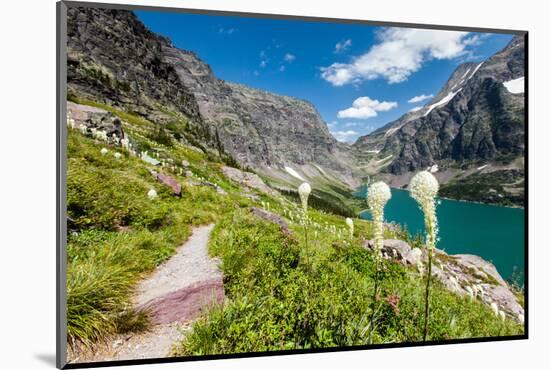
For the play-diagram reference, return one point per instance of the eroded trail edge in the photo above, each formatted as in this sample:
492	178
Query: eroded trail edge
173	295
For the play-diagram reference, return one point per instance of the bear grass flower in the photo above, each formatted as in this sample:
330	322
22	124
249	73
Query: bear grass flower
304	190
104	151
349	222
378	194
152	194
423	189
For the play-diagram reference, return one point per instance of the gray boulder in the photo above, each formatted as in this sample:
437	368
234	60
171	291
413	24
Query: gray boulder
87	117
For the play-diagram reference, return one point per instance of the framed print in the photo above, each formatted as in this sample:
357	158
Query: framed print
234	184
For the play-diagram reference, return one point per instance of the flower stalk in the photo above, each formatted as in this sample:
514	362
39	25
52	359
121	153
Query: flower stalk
349	222
378	195
424	188
304	190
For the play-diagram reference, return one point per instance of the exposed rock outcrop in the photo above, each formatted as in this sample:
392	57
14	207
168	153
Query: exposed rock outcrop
272	217
168	181
89	119
247	179
464	274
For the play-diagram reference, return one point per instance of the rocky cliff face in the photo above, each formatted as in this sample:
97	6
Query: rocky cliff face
474	116
113	58
476	119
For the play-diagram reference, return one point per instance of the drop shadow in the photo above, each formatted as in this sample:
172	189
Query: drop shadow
46	358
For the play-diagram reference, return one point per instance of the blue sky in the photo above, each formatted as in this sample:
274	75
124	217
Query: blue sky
359	77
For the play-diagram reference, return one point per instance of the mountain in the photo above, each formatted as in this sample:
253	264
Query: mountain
470	134
114	59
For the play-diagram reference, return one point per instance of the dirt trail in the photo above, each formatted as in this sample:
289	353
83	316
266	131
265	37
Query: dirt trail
174	294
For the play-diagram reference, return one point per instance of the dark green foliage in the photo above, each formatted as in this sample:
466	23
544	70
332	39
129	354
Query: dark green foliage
504	187
324	201
161	136
98	75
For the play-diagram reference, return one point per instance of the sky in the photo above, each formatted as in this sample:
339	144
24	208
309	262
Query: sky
359	77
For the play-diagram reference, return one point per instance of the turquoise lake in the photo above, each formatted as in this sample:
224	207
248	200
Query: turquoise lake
492	232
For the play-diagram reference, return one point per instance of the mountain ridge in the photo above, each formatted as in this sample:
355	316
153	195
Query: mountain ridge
260	130
474	123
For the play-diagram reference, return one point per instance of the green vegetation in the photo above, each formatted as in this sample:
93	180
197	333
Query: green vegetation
504	187
117	235
323	200
274	304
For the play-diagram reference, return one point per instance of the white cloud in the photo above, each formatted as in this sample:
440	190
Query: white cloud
348	136
342	46
399	53
351	124
282	68
226	31
415	109
419	98
365	107
289	58
263	59
256	73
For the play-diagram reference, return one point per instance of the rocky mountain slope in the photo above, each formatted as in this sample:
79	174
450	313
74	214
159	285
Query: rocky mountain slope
114	59
474	126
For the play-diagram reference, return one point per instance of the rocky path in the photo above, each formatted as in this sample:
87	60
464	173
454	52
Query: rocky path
174	294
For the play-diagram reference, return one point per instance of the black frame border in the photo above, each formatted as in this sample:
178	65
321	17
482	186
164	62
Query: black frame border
61	170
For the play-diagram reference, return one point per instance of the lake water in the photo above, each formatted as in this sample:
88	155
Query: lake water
492	232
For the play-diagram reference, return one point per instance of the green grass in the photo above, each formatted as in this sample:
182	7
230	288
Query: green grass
276	303
116	234
275	299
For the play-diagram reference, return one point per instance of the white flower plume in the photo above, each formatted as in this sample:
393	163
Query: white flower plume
378	195
152	194
304	190
349	222
424	188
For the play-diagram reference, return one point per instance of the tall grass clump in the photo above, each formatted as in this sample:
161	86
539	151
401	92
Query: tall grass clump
424	188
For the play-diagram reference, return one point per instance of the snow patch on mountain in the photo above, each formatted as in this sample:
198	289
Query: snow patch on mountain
292	172
465	74
516	86
475	70
442	102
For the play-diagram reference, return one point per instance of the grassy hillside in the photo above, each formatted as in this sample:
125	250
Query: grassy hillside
280	294
116	234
